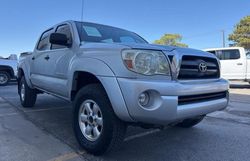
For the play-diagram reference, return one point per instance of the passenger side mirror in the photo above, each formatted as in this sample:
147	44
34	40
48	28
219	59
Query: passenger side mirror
59	39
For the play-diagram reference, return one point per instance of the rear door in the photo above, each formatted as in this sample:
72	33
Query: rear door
233	66
39	70
248	66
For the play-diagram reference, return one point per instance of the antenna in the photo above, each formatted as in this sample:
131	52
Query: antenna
81	21
82	10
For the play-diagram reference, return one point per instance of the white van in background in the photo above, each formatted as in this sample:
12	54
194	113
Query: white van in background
235	62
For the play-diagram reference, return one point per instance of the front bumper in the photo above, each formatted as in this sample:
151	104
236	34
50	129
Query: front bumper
164	107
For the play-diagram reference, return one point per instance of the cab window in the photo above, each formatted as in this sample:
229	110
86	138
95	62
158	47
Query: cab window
226	54
43	43
229	54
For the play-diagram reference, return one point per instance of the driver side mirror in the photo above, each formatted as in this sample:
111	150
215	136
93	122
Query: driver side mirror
59	39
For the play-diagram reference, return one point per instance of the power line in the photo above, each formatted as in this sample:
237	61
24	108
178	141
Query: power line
205	34
200	35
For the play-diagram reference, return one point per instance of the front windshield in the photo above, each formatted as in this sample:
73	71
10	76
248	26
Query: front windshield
90	32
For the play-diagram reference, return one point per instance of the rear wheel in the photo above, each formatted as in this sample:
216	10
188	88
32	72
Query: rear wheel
96	127
187	123
4	78
27	95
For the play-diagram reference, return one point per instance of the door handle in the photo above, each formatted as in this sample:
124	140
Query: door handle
33	58
239	64
46	58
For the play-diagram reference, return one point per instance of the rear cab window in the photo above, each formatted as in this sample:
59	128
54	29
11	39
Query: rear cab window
229	54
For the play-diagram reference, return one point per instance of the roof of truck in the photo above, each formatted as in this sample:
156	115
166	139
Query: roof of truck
226	48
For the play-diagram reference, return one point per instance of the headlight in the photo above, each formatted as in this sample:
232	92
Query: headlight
147	62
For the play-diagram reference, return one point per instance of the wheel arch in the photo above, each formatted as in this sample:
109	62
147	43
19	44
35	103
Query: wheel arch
90	71
22	71
80	80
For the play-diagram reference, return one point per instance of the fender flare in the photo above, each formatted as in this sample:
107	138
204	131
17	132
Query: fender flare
26	71
108	80
91	65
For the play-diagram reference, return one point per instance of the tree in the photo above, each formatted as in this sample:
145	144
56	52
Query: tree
241	33
170	39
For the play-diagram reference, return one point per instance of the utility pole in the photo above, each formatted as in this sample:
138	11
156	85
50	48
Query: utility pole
223	38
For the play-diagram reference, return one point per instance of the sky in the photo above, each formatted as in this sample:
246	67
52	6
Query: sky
200	22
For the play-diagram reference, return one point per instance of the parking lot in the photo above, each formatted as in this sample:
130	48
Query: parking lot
45	133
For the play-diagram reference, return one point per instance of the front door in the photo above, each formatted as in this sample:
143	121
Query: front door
58	63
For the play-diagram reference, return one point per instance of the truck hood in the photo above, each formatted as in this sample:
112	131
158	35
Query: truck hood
176	50
171	50
126	45
149	46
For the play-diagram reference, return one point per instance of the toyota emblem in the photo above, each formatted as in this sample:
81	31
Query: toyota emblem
203	67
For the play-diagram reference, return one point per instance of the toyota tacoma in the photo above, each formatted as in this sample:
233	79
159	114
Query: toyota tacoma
116	78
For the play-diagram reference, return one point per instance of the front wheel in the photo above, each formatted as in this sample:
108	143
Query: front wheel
187	123
96	126
4	78
27	95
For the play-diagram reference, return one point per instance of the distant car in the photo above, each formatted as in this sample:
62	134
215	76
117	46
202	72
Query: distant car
8	69
235	62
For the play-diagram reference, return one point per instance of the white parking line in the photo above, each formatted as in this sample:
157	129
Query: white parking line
141	134
47	109
67	156
31	111
72	155
9	114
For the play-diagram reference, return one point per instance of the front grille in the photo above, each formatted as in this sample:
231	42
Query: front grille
182	100
190	68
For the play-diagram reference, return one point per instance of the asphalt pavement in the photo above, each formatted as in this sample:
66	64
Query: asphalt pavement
45	133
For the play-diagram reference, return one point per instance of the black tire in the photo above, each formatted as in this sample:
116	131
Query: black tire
187	123
4	78
30	94
113	129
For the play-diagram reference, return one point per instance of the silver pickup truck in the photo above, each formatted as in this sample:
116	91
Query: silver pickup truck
8	69
115	78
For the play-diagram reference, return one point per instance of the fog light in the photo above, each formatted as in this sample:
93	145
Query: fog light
143	98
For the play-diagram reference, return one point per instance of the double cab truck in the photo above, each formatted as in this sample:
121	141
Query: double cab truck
115	78
235	62
8	69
